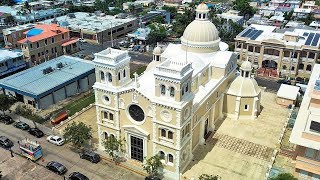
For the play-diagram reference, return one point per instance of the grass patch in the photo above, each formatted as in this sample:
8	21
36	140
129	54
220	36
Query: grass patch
26	112
139	71
79	104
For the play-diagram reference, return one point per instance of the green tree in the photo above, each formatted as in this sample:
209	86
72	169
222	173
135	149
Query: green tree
9	19
113	147
284	176
102	5
171	10
182	20
158	19
208	177
309	19
78	134
288	15
6	101
26	6
7	2
157	33
244	7
152	166
131	8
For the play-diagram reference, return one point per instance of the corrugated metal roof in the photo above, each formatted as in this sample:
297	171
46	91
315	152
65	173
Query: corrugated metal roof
33	82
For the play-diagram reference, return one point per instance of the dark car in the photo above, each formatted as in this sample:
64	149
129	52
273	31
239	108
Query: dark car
5	142
22	125
77	176
90	156
6	119
56	167
284	81
36	132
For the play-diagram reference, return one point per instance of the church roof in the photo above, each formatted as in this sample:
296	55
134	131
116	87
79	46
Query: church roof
244	87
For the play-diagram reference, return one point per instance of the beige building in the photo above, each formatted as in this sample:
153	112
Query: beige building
276	52
46	41
175	104
306	131
243	96
287	95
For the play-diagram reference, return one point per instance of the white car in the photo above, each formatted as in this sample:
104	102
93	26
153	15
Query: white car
82	40
55	140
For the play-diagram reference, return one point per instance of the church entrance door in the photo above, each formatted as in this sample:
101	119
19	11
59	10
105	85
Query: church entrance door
137	148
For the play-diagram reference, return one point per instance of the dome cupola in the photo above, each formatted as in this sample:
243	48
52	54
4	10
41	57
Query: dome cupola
201	35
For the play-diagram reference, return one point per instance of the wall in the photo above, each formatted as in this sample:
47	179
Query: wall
284	101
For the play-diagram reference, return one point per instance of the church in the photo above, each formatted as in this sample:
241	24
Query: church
177	102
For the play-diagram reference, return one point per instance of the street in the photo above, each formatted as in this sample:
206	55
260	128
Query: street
62	154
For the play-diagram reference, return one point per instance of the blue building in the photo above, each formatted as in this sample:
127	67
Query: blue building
51	81
11	61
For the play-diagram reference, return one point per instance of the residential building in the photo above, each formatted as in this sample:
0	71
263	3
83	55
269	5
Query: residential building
50	82
279	52
174	3
277	21
45	41
177	102
11	61
14	34
306	131
140	36
96	28
233	16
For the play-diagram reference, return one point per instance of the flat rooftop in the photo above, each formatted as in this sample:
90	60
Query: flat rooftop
9	54
35	83
88	22
306	37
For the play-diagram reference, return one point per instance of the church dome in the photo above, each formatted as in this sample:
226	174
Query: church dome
246	66
244	87
157	50
201	34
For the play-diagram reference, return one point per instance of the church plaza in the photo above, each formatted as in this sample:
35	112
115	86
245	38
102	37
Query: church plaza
241	149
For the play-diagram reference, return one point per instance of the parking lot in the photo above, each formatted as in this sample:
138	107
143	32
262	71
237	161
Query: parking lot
14	168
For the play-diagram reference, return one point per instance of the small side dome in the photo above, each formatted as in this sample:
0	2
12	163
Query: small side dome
157	51
202	8
246	66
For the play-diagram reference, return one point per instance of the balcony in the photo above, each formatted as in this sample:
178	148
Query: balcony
309	165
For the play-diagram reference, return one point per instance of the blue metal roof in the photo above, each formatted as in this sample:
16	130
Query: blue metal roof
34	83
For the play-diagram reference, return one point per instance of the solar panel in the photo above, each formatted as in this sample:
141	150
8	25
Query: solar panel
246	33
305	34
256	35
252	33
315	126
315	40
310	37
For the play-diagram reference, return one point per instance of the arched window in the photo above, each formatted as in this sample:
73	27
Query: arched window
199	15
161	154
172	91
163	133
109	77
119	76
112	136
187	87
163	89
105	135
247	74
204	16
309	67
102	76
170	158
301	66
124	73
170	135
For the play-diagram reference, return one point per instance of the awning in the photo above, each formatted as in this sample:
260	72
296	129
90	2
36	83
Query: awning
71	41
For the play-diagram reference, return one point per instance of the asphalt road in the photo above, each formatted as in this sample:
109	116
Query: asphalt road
64	155
270	84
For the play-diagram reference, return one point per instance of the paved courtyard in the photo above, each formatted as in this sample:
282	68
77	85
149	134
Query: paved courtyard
241	149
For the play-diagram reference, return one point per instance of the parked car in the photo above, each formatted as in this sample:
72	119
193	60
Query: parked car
131	47
82	40
90	156
136	48
5	142
122	43
142	49
21	125
284	81
6	119
77	176
36	132
55	140
56	167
